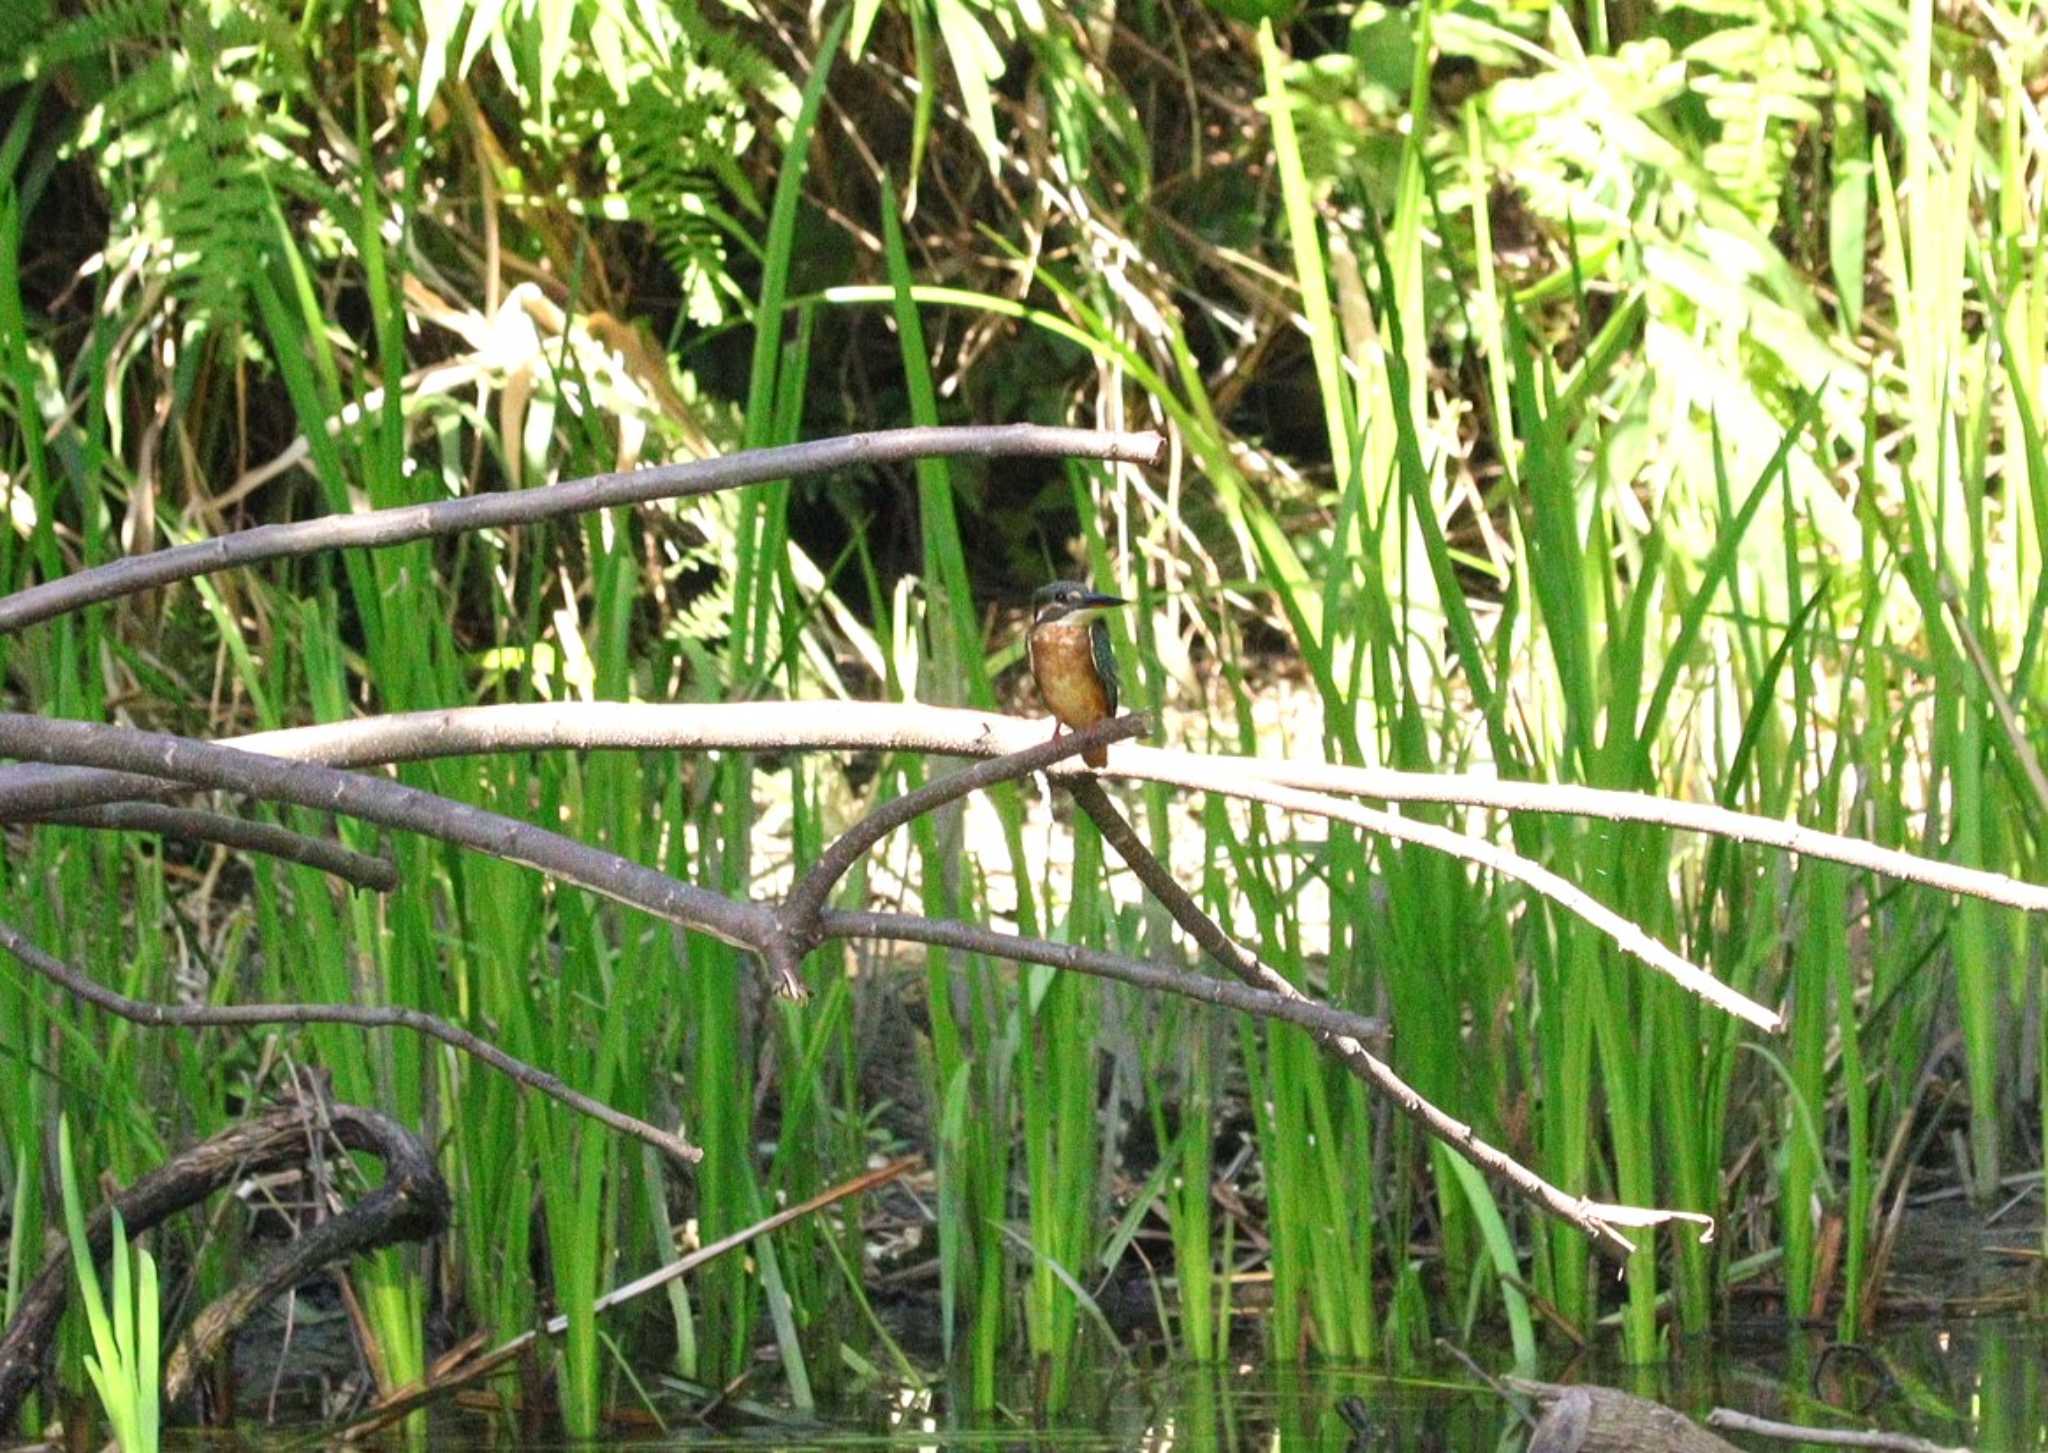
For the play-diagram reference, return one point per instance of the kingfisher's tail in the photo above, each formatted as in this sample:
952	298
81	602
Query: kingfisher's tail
1096	756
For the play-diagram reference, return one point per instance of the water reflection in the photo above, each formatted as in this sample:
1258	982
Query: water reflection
1978	1383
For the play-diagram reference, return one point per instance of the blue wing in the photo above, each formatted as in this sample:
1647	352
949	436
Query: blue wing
1105	662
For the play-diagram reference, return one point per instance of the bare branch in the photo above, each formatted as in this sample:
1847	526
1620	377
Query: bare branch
1608	805
158	1016
359	870
1629	935
1739	1422
511	508
911	727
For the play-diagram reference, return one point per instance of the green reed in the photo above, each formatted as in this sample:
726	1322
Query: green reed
125	1319
1745	636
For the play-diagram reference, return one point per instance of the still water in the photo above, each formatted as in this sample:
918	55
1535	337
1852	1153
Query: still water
1981	1384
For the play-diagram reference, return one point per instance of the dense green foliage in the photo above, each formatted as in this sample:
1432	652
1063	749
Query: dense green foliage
1646	396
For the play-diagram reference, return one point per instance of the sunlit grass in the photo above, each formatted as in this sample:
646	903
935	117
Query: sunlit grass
125	1319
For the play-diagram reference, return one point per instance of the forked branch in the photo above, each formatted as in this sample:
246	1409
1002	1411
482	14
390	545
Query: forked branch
797	925
780	935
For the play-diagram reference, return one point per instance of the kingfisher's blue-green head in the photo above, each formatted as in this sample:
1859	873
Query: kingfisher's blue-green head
1070	601
1070	656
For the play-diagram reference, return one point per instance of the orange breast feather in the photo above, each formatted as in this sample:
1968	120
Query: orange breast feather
1063	664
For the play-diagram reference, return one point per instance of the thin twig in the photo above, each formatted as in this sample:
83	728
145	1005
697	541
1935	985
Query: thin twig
359	870
1499	1389
158	1016
2017	741
404	1400
1598	1221
1310	1014
511	508
1833	1437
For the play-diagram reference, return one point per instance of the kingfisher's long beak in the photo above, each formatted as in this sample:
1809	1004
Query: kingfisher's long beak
1096	601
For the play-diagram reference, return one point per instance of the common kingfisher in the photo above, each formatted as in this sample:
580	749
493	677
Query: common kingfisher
1071	660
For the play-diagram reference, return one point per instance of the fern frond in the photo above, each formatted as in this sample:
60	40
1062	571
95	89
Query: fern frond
668	146
106	27
192	139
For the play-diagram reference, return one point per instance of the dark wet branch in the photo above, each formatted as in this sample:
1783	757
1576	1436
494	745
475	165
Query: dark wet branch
412	1204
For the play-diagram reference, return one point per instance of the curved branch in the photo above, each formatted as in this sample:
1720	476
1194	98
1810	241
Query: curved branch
209	1016
510	508
799	917
414	1202
359	870
397	1210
